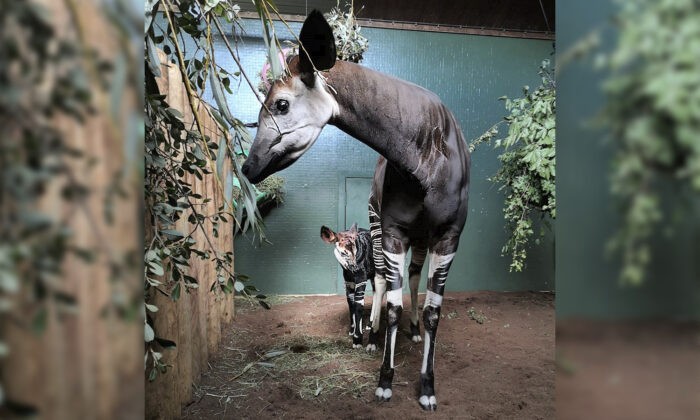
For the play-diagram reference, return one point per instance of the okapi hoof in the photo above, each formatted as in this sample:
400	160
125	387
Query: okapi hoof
382	395
357	342
372	342
415	333
428	403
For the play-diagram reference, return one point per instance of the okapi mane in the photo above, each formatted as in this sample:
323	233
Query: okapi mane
431	139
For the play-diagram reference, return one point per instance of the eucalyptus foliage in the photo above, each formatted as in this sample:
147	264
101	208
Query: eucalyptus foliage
176	151
349	42
527	171
653	114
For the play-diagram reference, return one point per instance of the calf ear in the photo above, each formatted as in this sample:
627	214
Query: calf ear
328	235
316	37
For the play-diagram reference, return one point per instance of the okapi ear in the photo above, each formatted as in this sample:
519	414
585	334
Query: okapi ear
328	235
316	37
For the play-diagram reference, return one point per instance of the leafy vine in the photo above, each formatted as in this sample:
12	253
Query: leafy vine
653	116
528	163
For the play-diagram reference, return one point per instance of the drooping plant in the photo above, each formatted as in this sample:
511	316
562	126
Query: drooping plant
175	150
349	42
528	164
652	113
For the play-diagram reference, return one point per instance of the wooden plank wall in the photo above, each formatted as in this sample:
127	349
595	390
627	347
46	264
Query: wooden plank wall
196	321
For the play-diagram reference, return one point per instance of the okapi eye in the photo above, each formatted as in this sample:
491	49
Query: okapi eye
282	105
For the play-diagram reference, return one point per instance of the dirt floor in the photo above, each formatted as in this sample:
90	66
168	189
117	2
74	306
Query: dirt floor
494	360
628	370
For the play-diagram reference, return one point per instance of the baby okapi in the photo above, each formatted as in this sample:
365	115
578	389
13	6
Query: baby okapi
353	250
425	183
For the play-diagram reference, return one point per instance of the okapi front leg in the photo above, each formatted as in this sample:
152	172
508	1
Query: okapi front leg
437	275
394	267
358	309
414	269
350	296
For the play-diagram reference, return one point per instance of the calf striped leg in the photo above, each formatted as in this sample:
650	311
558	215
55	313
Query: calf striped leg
379	281
357	310
414	269
394	269
350	296
437	275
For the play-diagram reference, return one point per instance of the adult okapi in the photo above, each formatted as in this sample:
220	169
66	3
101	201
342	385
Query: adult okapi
421	192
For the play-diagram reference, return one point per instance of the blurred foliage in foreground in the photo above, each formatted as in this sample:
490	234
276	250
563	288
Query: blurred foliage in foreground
653	114
528	164
64	107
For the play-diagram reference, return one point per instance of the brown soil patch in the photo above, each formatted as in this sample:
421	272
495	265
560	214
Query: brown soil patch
502	368
628	370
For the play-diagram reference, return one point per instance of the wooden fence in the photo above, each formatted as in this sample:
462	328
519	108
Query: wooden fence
196	321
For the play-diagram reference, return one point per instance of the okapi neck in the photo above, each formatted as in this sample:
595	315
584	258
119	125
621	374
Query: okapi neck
377	110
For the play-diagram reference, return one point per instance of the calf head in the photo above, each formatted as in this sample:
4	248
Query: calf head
345	250
297	107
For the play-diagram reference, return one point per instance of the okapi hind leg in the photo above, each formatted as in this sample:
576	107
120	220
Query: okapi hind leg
394	268
437	275
379	284
414	270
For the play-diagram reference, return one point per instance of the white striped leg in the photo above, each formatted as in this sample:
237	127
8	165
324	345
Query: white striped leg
350	296
379	281
358	308
437	276
394	269
379	289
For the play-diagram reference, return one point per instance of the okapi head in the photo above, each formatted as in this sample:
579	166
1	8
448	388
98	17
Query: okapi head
345	249
297	107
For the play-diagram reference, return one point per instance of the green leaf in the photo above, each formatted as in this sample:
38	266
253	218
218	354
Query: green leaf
153	374
153	61
172	234
156	268
148	333
221	157
175	294
219	97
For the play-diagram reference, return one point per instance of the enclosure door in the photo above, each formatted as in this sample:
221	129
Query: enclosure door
354	194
